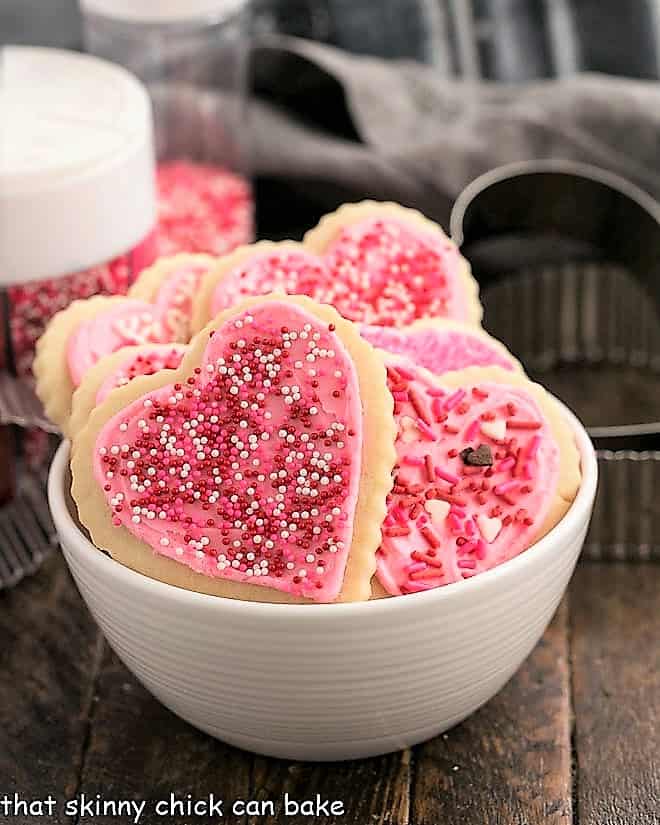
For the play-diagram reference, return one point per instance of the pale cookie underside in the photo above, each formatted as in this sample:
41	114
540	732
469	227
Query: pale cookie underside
54	386
378	458
321	236
222	267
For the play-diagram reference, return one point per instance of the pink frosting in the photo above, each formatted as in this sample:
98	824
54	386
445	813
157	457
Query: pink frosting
439	350
124	324
411	273
377	271
174	301
294	272
453	514
148	361
249	470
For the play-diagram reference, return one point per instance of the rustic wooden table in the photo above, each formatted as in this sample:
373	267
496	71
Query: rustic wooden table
574	737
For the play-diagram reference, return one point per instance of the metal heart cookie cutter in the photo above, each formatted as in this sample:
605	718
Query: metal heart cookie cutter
568	259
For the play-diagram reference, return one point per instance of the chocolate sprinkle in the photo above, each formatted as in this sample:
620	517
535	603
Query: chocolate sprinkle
481	457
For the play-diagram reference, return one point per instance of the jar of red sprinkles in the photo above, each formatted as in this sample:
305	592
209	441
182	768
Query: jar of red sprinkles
192	56
77	195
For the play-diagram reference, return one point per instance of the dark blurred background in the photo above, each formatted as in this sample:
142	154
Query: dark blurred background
507	40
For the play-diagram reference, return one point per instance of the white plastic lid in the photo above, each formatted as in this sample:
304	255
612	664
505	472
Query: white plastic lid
76	163
163	11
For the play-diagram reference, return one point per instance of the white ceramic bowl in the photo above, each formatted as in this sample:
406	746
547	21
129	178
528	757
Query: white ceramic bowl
327	681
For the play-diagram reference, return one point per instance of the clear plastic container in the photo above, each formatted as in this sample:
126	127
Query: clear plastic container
193	57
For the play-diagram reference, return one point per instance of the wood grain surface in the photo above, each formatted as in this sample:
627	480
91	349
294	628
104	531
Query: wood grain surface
573	738
616	678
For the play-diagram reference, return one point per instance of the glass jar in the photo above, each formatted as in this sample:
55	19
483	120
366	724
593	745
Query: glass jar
77	197
77	218
193	57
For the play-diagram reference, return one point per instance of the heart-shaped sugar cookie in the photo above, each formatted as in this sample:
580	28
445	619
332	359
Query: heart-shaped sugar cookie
486	465
259	469
376	263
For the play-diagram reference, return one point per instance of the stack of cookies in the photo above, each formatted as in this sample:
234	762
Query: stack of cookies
315	422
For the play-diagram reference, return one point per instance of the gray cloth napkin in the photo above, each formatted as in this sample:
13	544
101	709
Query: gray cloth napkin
335	126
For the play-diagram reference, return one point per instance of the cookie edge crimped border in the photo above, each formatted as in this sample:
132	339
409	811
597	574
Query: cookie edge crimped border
319	238
379	432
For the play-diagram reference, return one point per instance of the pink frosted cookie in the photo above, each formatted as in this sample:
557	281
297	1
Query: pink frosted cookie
156	311
259	469
259	269
442	345
390	266
376	263
117	370
486	465
171	285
